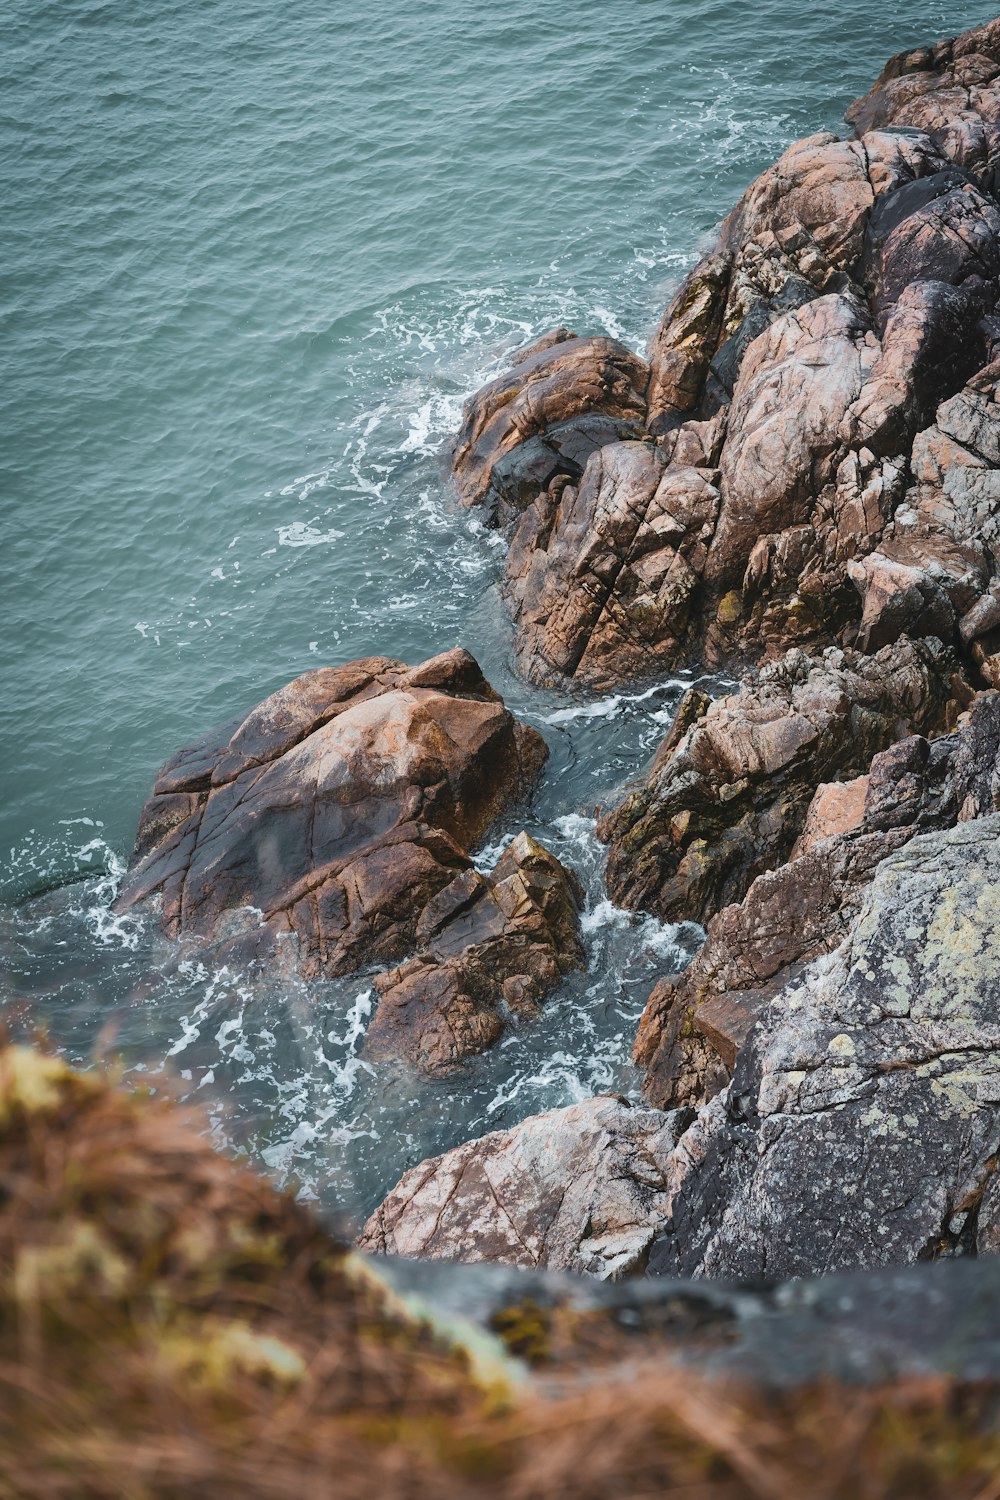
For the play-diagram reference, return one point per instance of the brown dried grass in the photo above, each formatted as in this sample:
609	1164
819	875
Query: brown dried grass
171	1326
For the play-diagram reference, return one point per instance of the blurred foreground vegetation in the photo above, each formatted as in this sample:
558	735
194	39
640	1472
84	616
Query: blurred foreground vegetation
173	1326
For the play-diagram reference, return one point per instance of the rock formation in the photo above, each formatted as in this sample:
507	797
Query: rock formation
694	1025
747	490
861	1126
862	1123
489	947
728	791
333	824
579	1189
802	484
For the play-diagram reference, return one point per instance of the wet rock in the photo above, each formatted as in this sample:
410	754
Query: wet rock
728	791
695	1024
489	948
577	1189
564	398
331	826
850	292
862	1123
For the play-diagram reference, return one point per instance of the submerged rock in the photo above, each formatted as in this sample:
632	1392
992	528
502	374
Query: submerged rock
332	825
581	1189
728	791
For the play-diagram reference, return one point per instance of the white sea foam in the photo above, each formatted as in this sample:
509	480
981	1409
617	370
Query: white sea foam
306	534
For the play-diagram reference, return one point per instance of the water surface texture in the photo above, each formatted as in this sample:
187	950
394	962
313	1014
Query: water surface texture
254	258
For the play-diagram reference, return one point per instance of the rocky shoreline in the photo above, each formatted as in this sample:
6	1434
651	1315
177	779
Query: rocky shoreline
800	485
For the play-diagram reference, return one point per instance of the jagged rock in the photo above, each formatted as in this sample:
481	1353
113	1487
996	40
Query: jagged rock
937	567
333	823
688	336
851	291
577	1189
564	398
600	576
489	947
729	788
951	92
694	1025
796	385
862	1123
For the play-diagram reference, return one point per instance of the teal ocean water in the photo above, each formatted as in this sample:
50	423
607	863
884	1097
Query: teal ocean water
254	257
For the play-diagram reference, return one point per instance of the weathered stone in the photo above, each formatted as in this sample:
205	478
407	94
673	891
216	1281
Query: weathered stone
333	817
862	1123
937	568
796	384
727	797
851	291
577	1189
489	948
564	397
694	1025
685	342
949	92
600	577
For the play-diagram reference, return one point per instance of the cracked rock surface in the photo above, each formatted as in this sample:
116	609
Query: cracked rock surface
579	1189
862	1123
749	488
728	791
330	829
694	1025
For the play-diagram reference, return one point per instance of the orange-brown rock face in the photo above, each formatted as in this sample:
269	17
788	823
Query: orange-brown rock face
332	825
851	293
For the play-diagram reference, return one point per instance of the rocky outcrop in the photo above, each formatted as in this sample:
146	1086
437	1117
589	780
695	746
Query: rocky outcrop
759	498
950	91
565	398
861	1126
728	791
862	1123
580	1189
331	828
937	567
695	1024
490	948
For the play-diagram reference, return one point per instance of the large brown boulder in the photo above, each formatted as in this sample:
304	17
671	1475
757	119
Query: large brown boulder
600	575
727	793
331	828
694	1025
577	1189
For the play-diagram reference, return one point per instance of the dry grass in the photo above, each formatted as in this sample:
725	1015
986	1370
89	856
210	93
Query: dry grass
172	1326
